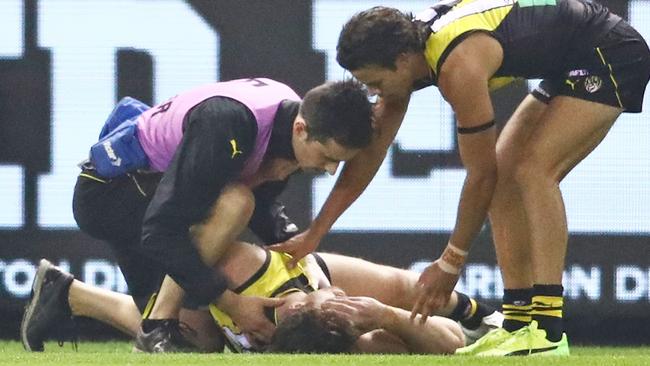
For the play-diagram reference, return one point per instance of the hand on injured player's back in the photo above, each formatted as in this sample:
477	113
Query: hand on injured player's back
248	313
364	314
298	246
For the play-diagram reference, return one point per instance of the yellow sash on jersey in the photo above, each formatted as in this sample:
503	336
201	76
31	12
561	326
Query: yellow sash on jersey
466	16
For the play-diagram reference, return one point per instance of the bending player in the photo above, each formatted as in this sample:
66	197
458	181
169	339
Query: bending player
594	67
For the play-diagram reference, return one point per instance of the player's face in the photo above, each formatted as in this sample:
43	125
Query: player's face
320	157
385	82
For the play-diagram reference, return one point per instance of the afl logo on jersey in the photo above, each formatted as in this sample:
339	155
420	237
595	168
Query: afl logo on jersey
593	83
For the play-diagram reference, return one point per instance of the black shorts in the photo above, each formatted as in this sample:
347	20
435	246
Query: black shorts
616	73
323	266
112	210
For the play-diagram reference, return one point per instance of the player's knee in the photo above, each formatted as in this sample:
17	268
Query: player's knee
400	289
529	169
506	168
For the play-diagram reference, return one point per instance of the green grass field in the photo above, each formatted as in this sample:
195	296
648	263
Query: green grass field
119	353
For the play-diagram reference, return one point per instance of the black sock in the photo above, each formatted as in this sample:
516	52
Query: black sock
516	308
463	306
547	310
470	312
481	310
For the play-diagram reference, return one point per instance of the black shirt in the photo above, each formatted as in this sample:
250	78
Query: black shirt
204	163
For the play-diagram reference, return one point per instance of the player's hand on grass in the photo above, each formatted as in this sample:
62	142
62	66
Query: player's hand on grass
434	289
298	246
363	313
248	313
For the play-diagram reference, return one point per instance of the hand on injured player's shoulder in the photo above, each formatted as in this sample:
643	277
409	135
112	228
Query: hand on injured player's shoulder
298	246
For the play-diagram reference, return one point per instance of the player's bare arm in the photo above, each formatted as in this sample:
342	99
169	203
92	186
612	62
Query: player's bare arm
437	335
463	82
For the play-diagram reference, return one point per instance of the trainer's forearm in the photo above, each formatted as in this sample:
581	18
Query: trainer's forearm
437	335
358	172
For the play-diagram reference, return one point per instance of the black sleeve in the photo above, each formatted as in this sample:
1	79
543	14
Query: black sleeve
270	221
204	162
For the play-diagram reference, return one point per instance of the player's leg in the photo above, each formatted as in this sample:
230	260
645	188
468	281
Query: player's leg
115	309
613	79
57	297
109	210
572	127
569	130
508	221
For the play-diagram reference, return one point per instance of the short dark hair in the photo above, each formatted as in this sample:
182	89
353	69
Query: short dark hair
376	37
311	331
340	111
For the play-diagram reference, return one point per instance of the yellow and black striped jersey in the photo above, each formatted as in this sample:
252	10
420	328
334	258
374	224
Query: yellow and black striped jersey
540	38
273	279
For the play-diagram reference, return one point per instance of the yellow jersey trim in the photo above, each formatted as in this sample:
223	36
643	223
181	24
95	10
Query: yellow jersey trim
466	17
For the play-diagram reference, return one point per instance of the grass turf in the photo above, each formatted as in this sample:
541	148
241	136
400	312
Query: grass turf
119	353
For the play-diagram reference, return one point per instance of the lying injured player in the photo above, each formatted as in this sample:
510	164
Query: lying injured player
331	304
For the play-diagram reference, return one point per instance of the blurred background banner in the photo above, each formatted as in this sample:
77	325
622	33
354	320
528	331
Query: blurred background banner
64	63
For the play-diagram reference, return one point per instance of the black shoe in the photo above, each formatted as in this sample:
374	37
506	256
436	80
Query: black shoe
48	311
166	336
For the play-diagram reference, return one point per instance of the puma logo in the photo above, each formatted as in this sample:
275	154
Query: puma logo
233	144
572	84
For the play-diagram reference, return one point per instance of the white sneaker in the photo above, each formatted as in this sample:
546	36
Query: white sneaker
488	323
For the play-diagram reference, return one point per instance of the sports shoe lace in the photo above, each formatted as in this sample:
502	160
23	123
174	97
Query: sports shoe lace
522	330
68	332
